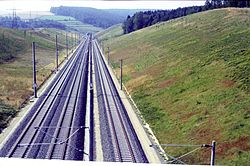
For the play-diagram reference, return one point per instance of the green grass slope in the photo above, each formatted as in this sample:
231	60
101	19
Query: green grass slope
110	33
190	79
16	65
11	42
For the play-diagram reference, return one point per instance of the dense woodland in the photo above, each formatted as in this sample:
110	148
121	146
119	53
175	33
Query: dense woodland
147	18
96	17
8	22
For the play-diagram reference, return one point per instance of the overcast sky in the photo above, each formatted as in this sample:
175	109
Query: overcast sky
44	5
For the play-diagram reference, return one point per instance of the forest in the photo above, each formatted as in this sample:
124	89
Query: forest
147	18
96	17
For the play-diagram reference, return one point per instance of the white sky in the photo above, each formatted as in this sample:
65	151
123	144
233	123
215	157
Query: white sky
44	5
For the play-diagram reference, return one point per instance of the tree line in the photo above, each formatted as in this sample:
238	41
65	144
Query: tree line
147	18
34	23
96	17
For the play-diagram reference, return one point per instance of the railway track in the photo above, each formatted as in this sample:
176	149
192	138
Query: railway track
119	139
55	127
61	125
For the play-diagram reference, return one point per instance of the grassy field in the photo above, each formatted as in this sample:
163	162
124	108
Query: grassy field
72	23
57	18
16	65
190	78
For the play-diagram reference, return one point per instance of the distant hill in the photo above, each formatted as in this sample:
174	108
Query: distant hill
144	19
125	12
91	16
98	17
34	23
190	78
72	24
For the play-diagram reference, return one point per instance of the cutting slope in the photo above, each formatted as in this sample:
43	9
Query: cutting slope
16	65
190	79
111	32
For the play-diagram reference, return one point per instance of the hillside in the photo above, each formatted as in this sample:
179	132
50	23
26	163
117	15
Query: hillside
103	18
96	17
110	33
125	12
72	24
190	79
16	65
9	46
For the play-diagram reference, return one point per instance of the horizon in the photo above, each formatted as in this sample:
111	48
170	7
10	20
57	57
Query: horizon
45	5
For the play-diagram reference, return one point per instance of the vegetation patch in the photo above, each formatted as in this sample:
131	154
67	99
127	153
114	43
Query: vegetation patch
16	78
109	33
6	113
190	79
9	47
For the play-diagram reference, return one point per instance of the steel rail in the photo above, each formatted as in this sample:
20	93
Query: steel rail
115	115
44	132
91	101
114	139
124	130
62	77
63	118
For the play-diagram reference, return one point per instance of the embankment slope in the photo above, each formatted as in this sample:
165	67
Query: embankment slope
190	79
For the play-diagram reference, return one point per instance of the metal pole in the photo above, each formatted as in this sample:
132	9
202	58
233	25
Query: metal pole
67	45
121	74
34	68
80	37
75	40
56	55
72	42
101	46
213	153
108	57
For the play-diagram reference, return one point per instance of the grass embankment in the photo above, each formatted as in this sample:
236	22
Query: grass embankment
110	33
72	23
16	65
190	79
